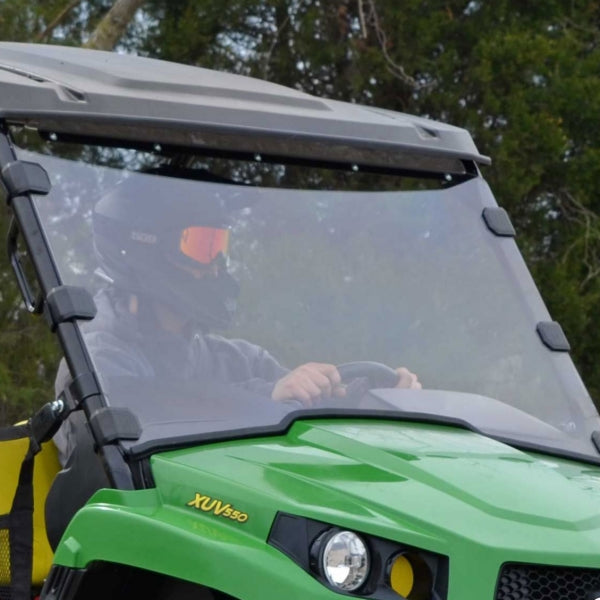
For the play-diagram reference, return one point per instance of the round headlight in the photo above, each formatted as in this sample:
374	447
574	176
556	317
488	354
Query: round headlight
345	561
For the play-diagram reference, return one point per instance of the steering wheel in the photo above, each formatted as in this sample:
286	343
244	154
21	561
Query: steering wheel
377	374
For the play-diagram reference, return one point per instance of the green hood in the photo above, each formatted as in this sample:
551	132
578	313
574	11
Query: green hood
435	487
454	492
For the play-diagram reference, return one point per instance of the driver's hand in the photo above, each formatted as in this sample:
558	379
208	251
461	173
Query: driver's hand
407	380
308	383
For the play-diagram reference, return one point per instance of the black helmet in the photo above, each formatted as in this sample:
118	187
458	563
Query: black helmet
156	237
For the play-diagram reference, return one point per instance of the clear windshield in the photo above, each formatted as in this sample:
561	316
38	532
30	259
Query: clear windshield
409	279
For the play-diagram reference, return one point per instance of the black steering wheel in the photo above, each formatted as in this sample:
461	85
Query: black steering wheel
377	374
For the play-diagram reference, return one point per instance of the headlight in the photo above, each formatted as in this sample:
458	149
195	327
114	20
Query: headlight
345	560
360	565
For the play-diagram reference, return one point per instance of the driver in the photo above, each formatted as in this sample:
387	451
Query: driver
165	262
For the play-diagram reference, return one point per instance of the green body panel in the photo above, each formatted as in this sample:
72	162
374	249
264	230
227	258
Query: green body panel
451	491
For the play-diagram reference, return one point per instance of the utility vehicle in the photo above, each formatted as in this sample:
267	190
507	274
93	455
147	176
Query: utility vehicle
149	200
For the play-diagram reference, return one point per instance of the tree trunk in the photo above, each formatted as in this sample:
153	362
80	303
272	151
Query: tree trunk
112	27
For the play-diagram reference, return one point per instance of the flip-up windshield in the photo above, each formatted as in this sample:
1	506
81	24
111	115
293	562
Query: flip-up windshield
209	291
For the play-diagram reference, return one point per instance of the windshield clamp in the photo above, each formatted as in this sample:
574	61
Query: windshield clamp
553	336
498	221
66	303
114	423
22	177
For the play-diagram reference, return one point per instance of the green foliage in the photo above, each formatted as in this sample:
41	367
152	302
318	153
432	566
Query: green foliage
28	353
29	20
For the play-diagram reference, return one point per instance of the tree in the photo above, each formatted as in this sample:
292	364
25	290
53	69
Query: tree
112	27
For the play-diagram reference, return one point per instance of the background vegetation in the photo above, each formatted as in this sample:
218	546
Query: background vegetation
521	75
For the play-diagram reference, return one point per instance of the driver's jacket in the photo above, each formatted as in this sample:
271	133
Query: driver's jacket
119	344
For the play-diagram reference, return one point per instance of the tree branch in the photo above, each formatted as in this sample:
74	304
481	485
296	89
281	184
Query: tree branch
57	21
269	53
363	22
589	242
393	67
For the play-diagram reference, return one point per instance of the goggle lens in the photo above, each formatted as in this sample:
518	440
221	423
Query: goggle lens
204	244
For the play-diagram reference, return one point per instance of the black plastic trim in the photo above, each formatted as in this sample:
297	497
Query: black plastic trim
498	221
113	423
23	177
547	569
141	472
116	468
553	336
294	536
230	136
84	386
146	449
68	302
468	168
596	439
62	583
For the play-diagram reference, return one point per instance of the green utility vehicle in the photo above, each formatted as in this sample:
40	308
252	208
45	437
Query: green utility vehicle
249	285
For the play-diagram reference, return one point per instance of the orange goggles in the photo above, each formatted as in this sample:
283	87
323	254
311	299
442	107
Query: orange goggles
204	244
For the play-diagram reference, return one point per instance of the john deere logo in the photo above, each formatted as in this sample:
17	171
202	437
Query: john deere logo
217	507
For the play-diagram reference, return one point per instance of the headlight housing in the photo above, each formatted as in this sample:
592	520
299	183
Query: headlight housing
357	564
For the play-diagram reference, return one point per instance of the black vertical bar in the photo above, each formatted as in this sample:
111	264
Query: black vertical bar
69	334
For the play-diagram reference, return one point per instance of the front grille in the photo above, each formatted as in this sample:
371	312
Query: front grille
541	582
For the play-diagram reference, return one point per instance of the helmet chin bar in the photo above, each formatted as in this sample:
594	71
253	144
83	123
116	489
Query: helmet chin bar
209	302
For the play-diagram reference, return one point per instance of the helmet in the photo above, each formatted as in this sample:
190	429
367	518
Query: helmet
166	239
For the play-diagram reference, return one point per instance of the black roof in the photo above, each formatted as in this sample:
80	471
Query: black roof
98	94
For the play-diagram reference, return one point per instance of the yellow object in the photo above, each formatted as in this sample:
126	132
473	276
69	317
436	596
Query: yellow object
402	576
12	453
